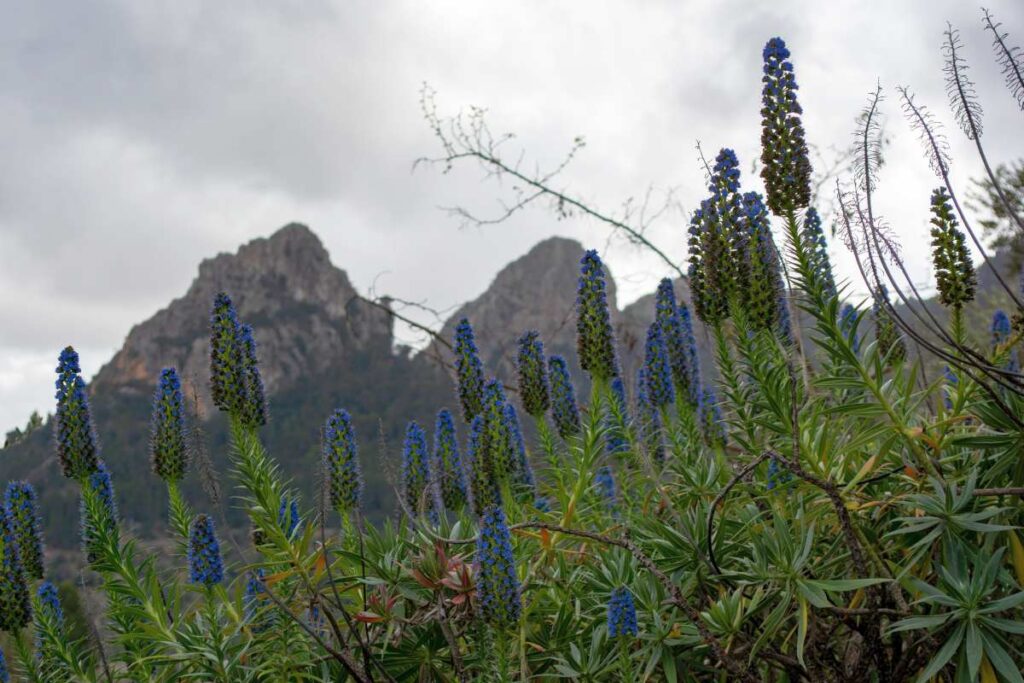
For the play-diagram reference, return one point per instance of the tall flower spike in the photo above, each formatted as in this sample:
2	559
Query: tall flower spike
763	291
888	337
254	410
786	169
718	242
668	316
954	272
648	419
77	449
693	360
68	368
617	417
534	390
288	517
497	584
483	487
23	513
594	336
105	519
848	325
497	441
341	462
469	370
621	614
167	429
563	399
813	238
657	371
205	565
228	386
523	472
49	600
15	603
447	463
416	470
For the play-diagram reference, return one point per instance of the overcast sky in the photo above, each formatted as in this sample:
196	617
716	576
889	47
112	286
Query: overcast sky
137	138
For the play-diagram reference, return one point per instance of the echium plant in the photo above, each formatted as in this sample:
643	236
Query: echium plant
416	479
167	429
469	371
496	438
954	271
497	583
564	409
534	388
763	294
447	462
848	320
255	409
100	520
484	490
718	242
816	247
522	471
205	564
23	515
594	334
657	369
622	614
235	382
693	380
77	449
15	602
678	335
341	463
786	169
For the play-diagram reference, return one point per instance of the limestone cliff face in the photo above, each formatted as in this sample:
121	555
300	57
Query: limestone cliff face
302	307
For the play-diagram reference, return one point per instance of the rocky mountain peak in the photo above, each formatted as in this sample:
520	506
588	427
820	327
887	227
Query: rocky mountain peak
304	310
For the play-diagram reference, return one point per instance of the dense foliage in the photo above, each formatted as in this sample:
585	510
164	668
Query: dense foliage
812	508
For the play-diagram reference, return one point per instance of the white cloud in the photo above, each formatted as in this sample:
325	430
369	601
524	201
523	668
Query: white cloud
138	138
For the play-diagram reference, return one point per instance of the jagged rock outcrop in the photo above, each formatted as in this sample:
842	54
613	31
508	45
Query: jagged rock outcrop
304	310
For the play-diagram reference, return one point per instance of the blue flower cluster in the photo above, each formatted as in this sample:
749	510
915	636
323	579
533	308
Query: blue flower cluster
448	463
77	449
167	429
49	602
235	383
777	476
15	603
786	168
255	604
534	389
709	418
693	381
604	478
669	317
657	369
622	614
521	469
950	385
594	336
563	399
205	565
341	462
1001	330
416	471
469	371
763	289
497	439
22	510
105	519
497	585
483	486
813	239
